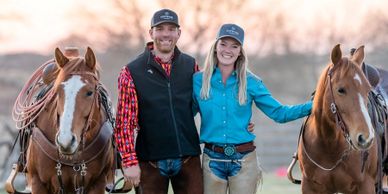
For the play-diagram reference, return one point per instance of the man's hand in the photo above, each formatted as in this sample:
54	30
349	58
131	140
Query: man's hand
251	127
132	174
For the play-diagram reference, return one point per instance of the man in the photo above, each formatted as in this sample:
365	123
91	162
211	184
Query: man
155	98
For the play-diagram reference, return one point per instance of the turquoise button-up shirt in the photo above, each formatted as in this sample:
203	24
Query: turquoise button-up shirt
225	121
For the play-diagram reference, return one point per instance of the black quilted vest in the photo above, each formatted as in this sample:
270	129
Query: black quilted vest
167	128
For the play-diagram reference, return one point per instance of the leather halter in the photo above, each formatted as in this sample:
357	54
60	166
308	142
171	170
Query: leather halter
95	99
337	115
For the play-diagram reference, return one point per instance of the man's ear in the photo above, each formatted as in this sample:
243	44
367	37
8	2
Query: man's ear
151	32
179	32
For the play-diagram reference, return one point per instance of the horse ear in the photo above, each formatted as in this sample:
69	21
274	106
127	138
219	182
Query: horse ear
359	55
336	54
60	58
90	58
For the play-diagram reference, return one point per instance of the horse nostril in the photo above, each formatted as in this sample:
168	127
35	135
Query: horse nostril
361	139
73	139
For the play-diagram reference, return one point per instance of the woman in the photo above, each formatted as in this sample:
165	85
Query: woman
223	94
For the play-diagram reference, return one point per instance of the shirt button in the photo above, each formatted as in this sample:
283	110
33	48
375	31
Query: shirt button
223	94
223	108
224	122
224	135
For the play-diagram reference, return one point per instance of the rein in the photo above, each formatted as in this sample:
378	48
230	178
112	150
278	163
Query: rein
344	155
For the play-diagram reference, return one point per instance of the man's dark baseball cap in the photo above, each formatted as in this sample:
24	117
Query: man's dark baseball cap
164	16
233	31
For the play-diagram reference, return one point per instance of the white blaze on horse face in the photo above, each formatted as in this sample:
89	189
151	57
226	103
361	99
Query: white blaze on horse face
367	118
71	87
358	78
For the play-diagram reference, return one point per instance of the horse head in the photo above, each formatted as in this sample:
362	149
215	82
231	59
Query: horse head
76	99
344	93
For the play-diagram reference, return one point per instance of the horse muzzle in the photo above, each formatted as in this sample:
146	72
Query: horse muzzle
67	146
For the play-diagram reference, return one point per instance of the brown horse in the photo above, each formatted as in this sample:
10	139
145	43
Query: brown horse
338	151
70	150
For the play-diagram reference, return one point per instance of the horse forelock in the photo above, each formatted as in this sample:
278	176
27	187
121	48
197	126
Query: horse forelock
77	64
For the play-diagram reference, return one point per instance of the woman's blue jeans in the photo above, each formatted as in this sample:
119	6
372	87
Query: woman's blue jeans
238	173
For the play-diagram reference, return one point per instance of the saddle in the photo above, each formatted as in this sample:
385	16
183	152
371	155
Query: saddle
377	109
372	74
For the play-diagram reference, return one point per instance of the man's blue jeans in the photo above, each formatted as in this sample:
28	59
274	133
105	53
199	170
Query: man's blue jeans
169	167
185	175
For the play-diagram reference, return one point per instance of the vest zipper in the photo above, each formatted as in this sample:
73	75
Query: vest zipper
173	119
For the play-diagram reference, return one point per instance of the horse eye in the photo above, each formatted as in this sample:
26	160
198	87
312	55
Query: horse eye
89	93
341	91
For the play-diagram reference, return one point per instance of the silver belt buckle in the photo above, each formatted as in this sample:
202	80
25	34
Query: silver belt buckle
229	150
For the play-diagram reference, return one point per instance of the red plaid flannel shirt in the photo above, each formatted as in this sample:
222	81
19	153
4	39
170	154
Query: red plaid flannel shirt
127	114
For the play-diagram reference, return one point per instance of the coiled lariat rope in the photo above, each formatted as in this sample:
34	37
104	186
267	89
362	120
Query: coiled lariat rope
26	109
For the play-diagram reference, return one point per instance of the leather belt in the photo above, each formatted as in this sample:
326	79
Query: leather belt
230	149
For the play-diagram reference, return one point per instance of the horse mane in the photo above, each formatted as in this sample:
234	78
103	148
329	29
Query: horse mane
320	89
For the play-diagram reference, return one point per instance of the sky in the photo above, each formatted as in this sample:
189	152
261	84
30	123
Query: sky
35	24
45	22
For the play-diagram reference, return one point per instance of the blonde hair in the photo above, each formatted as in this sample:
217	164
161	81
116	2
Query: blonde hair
240	67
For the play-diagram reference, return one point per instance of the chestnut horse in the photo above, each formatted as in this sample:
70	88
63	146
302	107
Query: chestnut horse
70	150
337	150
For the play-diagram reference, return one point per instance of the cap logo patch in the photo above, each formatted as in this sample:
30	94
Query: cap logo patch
232	31
166	16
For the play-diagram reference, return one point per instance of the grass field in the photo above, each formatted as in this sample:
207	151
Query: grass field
272	184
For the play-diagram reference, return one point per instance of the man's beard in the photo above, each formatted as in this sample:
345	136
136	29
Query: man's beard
165	48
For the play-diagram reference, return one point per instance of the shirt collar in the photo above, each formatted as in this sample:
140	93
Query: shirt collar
217	71
150	47
218	77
